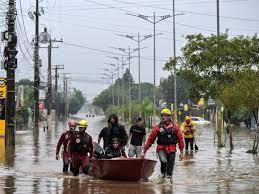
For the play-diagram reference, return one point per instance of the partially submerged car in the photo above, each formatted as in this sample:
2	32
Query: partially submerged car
200	121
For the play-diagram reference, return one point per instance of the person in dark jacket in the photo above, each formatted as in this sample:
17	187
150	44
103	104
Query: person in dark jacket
104	135
63	141
114	150
116	131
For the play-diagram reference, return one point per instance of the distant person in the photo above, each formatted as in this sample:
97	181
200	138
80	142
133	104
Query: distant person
168	134
188	128
63	140
81	149
116	130
137	138
114	150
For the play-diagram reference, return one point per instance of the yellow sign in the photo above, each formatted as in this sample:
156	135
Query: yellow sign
185	107
201	102
2	128
2	106
2	149
179	112
2	88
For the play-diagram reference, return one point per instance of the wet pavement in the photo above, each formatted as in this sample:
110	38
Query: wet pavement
32	168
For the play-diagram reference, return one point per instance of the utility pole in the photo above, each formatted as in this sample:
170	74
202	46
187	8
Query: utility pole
65	94
49	92
138	40
57	67
129	87
46	38
153	20
66	97
112	87
110	75
118	87
10	64
129	52
122	73
218	27
175	78
36	68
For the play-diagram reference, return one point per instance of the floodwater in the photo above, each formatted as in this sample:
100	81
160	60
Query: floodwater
32	168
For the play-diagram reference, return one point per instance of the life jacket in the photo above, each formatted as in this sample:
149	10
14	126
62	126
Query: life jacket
188	126
82	144
167	137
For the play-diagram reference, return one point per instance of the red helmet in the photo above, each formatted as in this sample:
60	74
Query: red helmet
72	123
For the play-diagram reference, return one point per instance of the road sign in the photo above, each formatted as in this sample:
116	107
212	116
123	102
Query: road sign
2	88
41	106
2	106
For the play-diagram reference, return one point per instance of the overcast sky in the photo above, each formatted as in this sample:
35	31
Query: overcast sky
89	28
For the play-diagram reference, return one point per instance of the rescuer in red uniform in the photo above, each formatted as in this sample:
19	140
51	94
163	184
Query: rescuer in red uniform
168	134
81	149
63	140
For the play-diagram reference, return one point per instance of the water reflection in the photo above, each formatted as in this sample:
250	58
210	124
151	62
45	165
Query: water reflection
31	167
35	148
9	184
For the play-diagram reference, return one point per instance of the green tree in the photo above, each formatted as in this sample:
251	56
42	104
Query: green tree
76	101
210	61
104	99
182	89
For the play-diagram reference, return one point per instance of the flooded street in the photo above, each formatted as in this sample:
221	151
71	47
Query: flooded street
32	168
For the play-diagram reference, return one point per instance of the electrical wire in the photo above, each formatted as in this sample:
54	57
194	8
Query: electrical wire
191	12
108	52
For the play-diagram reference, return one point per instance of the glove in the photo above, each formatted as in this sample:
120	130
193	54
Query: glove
57	157
143	155
181	156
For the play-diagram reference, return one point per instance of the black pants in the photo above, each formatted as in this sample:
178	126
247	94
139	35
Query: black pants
167	162
66	166
187	141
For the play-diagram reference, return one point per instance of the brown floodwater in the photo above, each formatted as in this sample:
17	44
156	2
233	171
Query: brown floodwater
31	167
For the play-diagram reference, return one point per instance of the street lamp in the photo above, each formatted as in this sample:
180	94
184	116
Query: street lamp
117	69
110	74
154	21
129	52
138	40
122	72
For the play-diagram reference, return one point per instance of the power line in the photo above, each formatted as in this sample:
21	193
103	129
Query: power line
106	52
24	23
107	6
205	28
21	37
191	12
112	7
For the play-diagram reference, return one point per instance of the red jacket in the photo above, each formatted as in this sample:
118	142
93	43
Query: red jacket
168	148
81	143
64	138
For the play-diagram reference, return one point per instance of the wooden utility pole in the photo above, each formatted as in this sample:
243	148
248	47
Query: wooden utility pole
57	67
10	65
36	68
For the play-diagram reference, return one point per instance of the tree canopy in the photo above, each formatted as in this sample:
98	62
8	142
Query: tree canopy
76	101
211	61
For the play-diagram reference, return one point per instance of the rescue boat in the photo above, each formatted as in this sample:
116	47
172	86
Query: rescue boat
122	169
